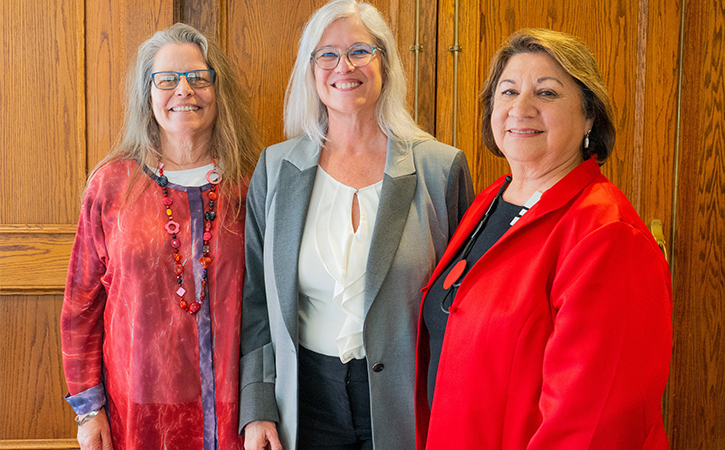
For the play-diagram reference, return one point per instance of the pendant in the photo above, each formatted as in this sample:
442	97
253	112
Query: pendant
454	274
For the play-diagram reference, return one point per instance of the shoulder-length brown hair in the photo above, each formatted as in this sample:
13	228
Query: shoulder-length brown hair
577	60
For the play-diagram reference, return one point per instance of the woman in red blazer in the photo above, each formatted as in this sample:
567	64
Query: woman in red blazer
547	323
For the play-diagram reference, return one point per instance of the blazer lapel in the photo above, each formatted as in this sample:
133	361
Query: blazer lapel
294	190
399	184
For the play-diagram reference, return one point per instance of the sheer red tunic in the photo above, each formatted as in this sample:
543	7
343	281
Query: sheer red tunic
168	379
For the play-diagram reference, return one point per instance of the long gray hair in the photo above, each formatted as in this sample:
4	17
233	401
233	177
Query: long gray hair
304	112
234	140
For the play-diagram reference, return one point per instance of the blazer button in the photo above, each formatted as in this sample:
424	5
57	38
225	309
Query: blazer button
378	367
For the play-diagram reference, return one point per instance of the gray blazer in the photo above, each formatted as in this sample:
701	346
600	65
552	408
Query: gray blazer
426	189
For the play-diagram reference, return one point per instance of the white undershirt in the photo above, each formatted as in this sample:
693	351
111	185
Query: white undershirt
332	266
189	178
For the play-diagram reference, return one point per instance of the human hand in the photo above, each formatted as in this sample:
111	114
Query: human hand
261	435
96	433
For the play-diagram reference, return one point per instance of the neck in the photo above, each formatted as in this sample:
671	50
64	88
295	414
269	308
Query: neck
355	136
529	179
183	154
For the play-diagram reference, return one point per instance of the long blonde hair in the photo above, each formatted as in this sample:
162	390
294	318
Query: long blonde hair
304	112
234	139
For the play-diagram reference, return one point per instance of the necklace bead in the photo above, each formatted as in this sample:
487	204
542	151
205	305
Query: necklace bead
172	228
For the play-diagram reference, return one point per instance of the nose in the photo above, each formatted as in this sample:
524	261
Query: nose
345	65
183	88
523	106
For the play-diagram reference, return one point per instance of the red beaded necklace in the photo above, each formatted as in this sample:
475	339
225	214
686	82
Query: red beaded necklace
172	227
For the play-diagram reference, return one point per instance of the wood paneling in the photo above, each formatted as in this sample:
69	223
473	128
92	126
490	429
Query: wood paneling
42	116
114	30
697	381
33	386
404	27
34	259
39	444
207	16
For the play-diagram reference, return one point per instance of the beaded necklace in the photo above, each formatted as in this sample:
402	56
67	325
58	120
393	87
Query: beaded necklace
172	227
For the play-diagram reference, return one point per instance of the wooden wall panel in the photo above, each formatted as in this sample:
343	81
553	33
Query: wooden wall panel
34	259
656	112
402	18
40	112
33	386
697	381
207	16
114	30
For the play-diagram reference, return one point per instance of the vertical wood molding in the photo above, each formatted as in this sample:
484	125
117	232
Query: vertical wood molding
81	97
203	15
697	382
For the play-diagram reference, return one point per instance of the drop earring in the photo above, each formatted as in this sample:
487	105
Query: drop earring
586	139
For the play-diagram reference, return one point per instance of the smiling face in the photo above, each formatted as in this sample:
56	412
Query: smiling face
538	119
346	89
183	113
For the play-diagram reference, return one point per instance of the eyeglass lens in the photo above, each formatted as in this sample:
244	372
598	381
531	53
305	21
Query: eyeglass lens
359	55
195	78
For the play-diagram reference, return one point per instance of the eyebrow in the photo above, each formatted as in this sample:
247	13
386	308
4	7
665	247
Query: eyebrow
538	81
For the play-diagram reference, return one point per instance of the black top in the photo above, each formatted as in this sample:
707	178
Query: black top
436	301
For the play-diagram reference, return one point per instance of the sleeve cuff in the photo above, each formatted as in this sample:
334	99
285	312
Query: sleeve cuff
88	400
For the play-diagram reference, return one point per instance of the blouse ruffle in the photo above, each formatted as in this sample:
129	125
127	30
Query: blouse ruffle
344	252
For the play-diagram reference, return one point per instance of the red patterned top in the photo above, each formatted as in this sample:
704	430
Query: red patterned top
170	379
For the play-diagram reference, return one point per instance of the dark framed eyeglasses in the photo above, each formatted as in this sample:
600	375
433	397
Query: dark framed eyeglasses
359	54
168	80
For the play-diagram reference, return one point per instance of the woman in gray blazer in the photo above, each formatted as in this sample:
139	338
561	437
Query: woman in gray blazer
345	222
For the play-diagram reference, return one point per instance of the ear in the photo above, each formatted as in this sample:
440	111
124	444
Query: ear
588	124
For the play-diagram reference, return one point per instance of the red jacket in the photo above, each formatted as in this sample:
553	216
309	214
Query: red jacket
560	335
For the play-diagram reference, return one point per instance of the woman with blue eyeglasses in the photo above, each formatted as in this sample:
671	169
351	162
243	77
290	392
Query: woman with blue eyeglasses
151	317
345	222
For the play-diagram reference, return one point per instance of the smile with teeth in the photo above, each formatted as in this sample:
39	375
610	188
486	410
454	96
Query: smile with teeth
185	108
348	85
525	131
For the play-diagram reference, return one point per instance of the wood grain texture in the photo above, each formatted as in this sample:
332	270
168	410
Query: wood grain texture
34	258
114	30
697	382
32	384
39	112
38	444
405	32
205	16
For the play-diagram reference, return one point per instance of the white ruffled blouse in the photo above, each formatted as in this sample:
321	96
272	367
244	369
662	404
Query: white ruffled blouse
332	266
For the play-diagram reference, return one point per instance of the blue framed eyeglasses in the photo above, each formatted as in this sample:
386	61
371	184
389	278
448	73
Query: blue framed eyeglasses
168	80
